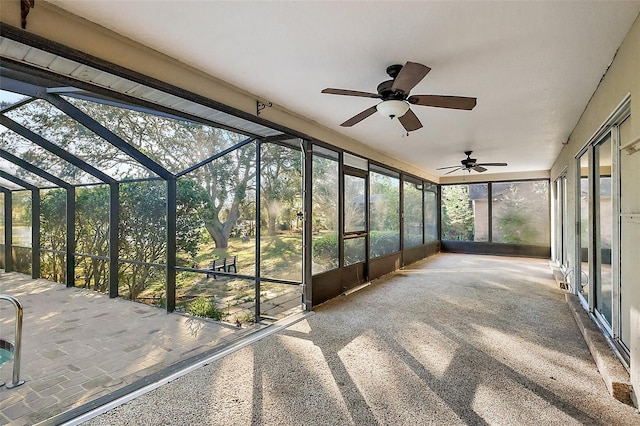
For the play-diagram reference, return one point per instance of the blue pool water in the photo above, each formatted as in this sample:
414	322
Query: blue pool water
5	356
6	351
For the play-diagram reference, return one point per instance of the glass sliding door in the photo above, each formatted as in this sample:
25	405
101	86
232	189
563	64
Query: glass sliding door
583	226
629	205
603	229
565	222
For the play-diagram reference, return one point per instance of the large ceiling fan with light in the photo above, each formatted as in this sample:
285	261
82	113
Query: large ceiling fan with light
469	164
396	99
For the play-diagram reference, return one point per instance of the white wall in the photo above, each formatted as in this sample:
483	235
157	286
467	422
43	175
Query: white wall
621	79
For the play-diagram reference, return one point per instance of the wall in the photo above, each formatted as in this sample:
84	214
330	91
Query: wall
622	78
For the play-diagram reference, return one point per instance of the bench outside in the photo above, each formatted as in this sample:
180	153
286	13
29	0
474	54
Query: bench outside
225	264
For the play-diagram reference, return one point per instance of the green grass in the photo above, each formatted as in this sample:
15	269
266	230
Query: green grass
281	257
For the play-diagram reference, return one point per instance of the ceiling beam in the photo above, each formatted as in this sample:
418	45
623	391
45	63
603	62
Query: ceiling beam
216	156
106	134
17	181
33	169
55	149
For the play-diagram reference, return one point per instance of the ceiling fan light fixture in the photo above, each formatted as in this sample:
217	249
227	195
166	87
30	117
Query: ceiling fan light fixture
393	108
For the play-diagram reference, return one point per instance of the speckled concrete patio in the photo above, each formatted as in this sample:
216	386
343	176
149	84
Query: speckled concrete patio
452	340
79	345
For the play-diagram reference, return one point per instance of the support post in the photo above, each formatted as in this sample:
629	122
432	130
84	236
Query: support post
171	243
307	225
114	217
258	218
8	232
401	196
35	233
490	211
70	277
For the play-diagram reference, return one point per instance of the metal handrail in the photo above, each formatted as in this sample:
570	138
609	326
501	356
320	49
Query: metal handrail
17	346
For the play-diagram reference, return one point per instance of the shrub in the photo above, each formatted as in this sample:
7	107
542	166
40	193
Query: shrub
205	307
384	242
515	229
326	246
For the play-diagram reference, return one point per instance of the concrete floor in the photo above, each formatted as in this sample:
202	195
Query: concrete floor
455	339
79	345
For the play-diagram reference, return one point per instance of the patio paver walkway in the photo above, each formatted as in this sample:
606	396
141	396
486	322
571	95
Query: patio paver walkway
79	345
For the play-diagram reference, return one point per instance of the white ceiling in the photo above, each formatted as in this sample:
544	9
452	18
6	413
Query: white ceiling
532	65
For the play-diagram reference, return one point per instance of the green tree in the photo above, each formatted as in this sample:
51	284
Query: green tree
457	213
92	237
281	177
142	230
53	232
175	144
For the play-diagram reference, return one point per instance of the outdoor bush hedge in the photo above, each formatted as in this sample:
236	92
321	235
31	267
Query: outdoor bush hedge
382	242
205	307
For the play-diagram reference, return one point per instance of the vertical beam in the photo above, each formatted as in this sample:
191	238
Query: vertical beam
258	218
401	216
35	233
439	212
307	225
340	210
423	185
171	243
8	231
71	238
490	211
367	237
114	217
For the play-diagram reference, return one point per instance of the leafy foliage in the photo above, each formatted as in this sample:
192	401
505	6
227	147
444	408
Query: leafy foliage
53	229
281	179
515	228
384	242
205	307
457	214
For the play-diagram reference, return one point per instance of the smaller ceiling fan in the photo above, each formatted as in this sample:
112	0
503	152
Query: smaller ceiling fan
469	164
396	99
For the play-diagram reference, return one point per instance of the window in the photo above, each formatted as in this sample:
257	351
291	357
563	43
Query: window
325	210
465	212
430	212
384	204
520	213
412	213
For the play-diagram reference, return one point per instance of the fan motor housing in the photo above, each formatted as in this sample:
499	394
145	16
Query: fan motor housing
384	90
394	70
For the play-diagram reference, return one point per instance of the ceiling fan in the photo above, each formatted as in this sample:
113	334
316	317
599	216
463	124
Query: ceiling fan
396	99
469	164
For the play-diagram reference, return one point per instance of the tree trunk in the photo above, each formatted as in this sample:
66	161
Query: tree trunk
218	235
271	229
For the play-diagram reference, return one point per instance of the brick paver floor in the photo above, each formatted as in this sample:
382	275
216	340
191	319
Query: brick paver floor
79	345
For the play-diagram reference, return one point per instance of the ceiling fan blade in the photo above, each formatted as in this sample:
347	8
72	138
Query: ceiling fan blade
479	169
410	75
453	102
359	117
410	121
454	170
346	92
450	167
491	164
